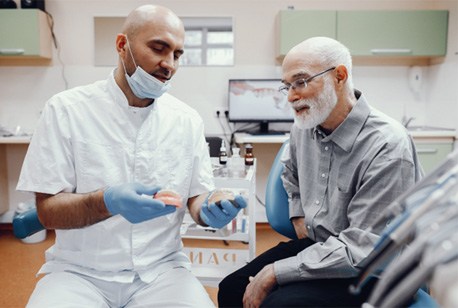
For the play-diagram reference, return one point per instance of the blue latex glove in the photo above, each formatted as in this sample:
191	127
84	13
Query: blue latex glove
218	214
127	201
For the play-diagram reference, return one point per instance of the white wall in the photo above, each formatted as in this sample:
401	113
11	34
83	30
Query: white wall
24	89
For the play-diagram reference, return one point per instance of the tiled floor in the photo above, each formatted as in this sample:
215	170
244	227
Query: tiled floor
20	262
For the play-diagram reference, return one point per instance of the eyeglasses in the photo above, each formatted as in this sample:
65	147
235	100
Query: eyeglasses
300	83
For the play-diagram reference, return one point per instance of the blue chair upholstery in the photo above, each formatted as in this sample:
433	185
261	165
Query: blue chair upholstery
423	300
26	224
277	211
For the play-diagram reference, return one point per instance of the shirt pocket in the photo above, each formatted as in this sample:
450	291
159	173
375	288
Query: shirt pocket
343	192
99	165
171	168
340	200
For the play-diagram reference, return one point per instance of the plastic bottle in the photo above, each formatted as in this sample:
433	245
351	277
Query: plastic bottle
222	153
249	157
236	164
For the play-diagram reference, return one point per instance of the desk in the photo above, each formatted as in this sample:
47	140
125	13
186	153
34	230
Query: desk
265	148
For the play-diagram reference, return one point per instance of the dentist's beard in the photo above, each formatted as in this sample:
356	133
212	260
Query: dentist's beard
320	108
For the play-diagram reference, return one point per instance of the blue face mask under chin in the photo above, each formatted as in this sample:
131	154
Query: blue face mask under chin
142	84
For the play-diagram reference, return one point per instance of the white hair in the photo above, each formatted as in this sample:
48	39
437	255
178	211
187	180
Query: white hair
330	53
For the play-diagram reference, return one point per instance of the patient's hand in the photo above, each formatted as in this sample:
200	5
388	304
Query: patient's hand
299	226
259	287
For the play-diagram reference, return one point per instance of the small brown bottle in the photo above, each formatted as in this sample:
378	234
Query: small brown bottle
223	153
249	157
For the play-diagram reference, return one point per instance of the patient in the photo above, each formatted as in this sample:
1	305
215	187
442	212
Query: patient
346	162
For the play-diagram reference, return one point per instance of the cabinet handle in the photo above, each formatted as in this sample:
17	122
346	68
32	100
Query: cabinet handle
426	151
12	51
390	51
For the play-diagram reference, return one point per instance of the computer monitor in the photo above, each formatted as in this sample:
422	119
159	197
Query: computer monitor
258	101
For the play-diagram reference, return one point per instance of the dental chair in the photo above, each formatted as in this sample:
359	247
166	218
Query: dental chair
277	212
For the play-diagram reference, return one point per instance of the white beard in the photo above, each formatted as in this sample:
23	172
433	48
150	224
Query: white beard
320	108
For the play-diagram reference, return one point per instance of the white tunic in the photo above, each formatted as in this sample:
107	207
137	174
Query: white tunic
89	138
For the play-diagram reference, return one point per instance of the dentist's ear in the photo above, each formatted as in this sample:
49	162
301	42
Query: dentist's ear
120	42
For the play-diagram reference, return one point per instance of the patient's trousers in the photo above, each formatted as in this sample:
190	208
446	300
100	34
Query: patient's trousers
312	293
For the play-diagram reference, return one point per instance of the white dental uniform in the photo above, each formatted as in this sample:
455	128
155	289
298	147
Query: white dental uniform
88	138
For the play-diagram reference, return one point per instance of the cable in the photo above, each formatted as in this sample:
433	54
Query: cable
225	134
260	201
56	45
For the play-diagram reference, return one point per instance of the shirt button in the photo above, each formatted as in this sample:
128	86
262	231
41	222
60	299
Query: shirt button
317	202
326	148
323	175
308	227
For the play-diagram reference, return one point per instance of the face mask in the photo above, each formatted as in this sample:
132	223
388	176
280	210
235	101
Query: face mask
142	84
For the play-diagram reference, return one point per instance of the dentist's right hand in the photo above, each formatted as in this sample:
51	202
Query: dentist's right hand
127	201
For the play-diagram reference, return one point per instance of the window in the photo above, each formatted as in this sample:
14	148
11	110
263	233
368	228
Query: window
209	41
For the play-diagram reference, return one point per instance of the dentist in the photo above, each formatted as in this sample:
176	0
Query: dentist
99	154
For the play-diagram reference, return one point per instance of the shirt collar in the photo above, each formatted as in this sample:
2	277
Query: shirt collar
346	133
118	95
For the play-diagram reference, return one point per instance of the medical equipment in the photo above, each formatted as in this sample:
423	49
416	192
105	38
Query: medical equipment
407	209
422	237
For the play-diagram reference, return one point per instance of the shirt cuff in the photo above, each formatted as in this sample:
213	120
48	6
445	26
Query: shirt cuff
286	270
295	208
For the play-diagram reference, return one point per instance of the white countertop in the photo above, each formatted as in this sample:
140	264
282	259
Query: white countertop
433	133
247	138
15	140
415	133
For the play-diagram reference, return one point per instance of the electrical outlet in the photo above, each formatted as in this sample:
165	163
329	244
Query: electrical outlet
220	112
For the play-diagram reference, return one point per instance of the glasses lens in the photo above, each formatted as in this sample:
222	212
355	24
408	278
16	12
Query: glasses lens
284	89
299	84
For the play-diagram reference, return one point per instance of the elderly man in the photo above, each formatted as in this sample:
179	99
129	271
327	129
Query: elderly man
99	155
346	162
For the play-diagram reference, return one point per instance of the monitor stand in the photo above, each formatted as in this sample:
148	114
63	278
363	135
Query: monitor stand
264	130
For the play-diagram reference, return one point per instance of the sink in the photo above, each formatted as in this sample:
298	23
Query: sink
428	128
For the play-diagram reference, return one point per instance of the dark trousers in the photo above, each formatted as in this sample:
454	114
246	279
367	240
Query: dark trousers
308	293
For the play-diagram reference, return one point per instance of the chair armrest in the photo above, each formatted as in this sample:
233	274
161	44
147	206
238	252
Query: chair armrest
26	224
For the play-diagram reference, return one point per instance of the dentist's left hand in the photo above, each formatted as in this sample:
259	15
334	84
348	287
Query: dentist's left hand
218	214
127	201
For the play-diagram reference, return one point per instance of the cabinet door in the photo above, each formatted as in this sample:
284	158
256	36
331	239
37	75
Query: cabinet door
399	33
296	26
24	33
431	155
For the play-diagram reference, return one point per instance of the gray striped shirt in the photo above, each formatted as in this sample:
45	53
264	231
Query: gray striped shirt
341	183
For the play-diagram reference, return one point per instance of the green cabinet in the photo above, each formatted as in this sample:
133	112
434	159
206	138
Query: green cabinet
431	154
296	26
25	33
399	33
414	33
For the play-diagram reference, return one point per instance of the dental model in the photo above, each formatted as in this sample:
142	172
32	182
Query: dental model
169	197
221	194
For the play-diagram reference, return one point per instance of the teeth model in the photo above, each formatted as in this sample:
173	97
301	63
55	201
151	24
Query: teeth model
169	197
